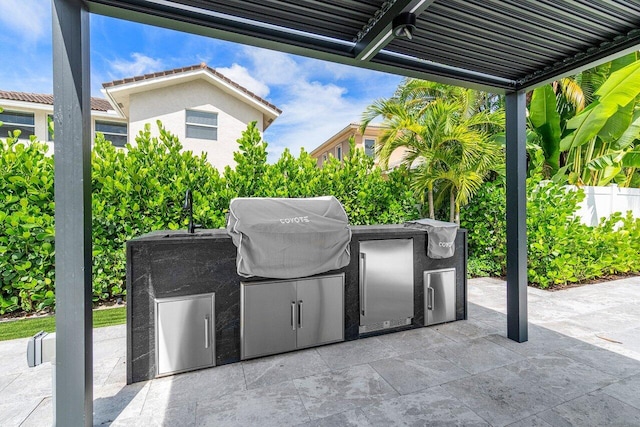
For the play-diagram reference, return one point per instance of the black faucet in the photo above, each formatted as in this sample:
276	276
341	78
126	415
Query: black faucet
188	206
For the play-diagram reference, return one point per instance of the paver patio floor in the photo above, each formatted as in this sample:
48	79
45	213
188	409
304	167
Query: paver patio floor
580	367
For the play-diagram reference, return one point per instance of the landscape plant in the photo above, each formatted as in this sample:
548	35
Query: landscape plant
448	138
561	249
588	125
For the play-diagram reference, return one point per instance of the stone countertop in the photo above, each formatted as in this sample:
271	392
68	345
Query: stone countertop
221	233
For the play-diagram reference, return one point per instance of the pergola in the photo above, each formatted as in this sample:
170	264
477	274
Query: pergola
504	46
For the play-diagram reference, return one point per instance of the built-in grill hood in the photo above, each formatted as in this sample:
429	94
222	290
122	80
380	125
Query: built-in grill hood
288	238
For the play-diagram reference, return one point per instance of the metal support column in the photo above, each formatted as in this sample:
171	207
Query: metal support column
73	394
516	217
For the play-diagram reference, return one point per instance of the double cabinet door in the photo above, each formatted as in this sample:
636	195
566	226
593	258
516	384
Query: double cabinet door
280	316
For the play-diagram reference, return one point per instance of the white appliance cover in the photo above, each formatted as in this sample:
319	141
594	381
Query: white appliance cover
288	238
441	236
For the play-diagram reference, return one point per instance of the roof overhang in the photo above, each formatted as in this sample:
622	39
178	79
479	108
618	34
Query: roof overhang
119	95
499	46
10	104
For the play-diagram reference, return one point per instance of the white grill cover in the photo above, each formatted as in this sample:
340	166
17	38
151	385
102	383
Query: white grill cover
289	238
441	236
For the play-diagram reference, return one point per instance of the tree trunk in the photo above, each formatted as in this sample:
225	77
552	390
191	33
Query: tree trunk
457	219
452	205
432	213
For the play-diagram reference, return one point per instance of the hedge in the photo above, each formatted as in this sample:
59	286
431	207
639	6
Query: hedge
561	250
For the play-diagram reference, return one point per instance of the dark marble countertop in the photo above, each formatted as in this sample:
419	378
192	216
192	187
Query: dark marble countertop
221	233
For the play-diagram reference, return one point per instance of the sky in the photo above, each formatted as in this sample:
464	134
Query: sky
317	98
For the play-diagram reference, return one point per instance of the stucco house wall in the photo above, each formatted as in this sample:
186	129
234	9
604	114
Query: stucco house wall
169	105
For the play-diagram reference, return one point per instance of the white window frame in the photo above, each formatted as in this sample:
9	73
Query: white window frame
6	124
364	144
107	135
339	152
200	125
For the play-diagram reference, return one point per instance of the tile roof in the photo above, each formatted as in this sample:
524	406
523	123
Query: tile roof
201	66
97	104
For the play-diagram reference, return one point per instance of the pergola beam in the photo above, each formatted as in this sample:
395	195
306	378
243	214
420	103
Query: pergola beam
73	393
181	17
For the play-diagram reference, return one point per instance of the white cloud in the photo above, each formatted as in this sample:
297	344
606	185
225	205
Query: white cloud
314	113
139	65
240	75
313	95
31	19
273	68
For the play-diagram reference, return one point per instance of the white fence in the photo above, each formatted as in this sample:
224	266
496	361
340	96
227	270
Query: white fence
603	201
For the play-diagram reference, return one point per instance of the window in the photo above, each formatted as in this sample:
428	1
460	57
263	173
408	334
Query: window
202	125
49	128
339	152
13	120
370	147
324	157
114	132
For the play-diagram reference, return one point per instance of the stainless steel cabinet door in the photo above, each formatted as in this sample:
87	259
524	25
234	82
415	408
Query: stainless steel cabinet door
320	310
269	318
440	296
184	333
386	280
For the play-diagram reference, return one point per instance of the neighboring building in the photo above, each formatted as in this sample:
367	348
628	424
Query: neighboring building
29	113
204	109
338	145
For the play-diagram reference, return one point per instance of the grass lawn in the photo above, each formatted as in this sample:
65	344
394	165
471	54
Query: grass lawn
24	328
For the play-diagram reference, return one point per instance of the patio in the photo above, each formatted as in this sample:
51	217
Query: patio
580	366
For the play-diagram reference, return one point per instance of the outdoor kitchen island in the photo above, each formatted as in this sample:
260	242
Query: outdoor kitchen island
164	267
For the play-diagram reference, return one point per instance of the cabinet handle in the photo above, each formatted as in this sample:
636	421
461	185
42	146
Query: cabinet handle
300	314
363	282
293	315
207	337
430	295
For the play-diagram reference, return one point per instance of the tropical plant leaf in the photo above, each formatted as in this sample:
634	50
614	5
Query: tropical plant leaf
608	174
629	135
623	61
621	87
631	159
617	124
602	162
546	120
587	124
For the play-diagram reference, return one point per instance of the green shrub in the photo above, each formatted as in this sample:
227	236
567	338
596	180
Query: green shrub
485	220
140	190
26	226
561	250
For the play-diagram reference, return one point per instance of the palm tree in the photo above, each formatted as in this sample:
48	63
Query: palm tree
446	134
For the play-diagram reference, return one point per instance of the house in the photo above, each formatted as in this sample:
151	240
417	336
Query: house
30	113
204	109
338	145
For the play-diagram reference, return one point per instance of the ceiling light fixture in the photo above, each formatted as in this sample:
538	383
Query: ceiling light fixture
403	25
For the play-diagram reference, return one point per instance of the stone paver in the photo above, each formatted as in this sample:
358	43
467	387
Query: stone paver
581	366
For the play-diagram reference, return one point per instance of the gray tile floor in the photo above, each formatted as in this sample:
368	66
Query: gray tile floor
580	367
